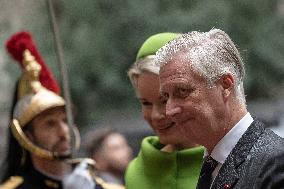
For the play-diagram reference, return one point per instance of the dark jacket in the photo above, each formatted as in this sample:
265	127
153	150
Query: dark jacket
250	159
33	179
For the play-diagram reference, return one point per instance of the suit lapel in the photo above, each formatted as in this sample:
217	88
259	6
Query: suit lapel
229	172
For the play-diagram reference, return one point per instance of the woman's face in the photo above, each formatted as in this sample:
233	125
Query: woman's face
153	108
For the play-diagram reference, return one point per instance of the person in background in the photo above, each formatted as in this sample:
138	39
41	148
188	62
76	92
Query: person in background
201	79
111	153
40	141
168	160
39	137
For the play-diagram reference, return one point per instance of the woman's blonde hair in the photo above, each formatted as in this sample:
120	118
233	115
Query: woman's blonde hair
140	66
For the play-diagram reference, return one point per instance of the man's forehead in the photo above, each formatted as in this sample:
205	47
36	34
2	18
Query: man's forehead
172	78
176	66
51	112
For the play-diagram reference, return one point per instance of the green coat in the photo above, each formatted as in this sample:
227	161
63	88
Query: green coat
154	169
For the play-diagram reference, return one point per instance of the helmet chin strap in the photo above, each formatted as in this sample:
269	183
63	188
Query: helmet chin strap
26	143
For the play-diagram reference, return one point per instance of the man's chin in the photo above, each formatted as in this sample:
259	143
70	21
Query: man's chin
62	149
64	153
63	156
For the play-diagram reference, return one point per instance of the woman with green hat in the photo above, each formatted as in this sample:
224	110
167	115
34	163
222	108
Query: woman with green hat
166	160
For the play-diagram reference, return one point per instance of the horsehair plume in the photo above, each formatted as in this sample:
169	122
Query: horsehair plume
17	44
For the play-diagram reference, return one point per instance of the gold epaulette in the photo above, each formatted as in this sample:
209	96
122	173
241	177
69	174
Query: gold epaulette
106	185
12	182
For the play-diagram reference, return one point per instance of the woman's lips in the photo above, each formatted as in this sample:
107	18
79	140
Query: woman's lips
164	127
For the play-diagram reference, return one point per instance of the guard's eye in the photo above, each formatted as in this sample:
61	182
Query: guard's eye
50	123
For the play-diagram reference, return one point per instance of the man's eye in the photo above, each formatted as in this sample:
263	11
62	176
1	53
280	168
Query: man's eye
163	100
50	123
65	120
164	96
183	93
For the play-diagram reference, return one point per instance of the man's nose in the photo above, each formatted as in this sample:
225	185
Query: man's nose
63	128
172	108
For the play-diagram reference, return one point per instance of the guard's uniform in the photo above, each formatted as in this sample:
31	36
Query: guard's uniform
33	179
36	92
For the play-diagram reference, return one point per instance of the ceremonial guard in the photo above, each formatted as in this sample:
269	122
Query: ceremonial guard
40	140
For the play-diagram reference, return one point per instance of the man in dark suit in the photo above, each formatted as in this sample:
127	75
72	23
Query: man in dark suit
201	79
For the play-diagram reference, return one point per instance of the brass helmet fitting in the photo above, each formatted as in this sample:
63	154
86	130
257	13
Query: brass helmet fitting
34	98
36	93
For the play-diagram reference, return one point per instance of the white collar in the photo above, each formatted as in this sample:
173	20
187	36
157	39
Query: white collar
223	148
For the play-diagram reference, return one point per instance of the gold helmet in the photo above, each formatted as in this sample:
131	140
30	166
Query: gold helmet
37	91
33	97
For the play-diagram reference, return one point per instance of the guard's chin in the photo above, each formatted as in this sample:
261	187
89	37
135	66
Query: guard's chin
64	155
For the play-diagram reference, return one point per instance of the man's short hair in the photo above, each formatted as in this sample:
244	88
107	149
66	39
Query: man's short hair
211	54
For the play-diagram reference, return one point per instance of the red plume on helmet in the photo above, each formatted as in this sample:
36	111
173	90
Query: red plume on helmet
17	44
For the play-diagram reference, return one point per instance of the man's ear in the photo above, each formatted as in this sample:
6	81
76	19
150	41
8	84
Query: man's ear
227	83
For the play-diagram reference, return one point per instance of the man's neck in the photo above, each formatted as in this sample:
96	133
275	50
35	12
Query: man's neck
54	168
230	121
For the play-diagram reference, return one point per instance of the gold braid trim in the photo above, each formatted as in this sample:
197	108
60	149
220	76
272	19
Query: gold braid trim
12	182
106	185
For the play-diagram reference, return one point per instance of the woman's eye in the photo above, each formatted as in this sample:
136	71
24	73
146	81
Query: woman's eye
146	103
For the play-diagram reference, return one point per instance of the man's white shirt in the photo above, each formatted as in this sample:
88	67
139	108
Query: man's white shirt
224	147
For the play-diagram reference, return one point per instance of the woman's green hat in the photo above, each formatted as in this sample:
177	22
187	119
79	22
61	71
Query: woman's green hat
154	43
